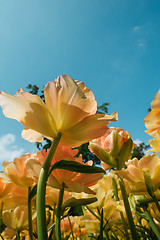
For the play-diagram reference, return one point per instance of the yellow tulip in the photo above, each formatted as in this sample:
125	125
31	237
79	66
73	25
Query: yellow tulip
155	144
134	173
17	219
152	120
113	148
17	173
69	108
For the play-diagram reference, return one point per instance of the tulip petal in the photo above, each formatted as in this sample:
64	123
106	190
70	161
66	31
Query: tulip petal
156	101
89	128
29	110
155	144
31	135
67	103
152	123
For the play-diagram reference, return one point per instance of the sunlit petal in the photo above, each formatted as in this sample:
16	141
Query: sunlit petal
89	128
29	110
31	135
67	102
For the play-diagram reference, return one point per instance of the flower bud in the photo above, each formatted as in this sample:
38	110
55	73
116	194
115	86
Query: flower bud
113	148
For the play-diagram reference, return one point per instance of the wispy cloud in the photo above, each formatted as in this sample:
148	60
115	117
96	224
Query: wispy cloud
136	28
139	36
141	44
8	149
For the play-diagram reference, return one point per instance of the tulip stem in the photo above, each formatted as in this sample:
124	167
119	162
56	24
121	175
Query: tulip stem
156	202
93	213
17	235
30	231
59	212
41	190
128	210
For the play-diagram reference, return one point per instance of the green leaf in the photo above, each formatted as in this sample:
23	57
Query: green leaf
33	192
100	237
73	202
76	167
76	211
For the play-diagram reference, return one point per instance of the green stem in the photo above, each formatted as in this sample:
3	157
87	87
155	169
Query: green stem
125	226
115	187
30	230
17	235
58	216
156	202
93	213
151	222
1	210
101	226
128	210
70	224
41	190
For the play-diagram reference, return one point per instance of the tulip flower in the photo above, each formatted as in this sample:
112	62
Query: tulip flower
17	219
113	148
136	169
5	187
152	120
17	172
69	108
74	181
155	144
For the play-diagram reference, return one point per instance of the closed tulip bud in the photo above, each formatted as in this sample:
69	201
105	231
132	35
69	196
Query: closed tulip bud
114	148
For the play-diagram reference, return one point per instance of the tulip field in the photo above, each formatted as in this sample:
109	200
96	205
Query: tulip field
53	194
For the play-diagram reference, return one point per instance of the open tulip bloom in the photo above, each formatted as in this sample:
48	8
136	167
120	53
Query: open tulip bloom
69	108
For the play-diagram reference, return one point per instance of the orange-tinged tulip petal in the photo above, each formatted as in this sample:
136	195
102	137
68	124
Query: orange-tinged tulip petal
156	101
152	120
113	147
74	181
69	108
5	187
155	144
17	172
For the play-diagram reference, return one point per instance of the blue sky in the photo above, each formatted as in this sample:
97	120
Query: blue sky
110	45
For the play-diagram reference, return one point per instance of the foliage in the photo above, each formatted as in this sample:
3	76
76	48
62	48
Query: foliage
139	150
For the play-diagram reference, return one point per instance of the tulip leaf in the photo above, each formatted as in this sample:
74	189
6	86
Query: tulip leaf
100	237
33	192
74	202
76	211
76	167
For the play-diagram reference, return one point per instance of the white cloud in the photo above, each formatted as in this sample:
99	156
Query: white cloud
137	142
136	28
141	44
8	149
